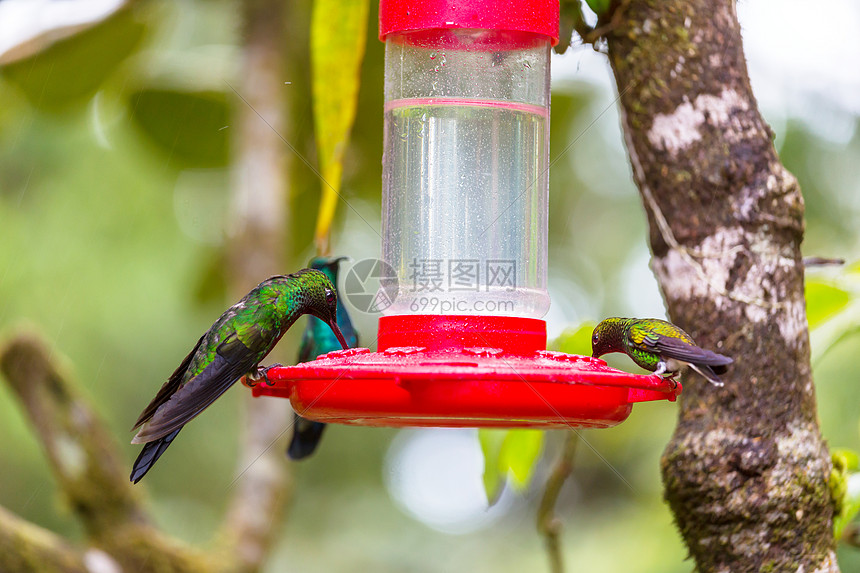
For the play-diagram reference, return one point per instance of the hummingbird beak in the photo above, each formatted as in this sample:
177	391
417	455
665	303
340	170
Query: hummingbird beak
336	329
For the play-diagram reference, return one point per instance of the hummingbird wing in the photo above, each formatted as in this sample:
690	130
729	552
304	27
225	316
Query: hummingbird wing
237	355
675	344
681	350
168	389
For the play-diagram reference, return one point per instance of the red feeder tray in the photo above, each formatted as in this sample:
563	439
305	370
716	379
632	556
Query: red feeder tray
491	378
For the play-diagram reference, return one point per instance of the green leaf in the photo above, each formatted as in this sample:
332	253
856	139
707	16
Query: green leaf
509	454
491	446
338	34
70	71
846	505
575	340
599	7
850	507
519	455
823	301
844	459
570	12
187	126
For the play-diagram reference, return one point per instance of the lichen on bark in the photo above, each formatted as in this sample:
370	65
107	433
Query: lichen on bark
746	470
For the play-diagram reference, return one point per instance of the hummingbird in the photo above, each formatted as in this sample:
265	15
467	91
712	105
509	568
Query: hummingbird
658	346
232	347
317	340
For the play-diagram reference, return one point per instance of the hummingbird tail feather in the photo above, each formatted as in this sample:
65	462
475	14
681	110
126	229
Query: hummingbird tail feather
306	438
168	389
149	455
707	372
192	398
719	369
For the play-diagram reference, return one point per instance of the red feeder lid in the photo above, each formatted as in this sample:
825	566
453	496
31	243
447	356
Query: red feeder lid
536	16
463	371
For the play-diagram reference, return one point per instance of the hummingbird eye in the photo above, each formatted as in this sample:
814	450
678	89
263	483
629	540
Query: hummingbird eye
330	297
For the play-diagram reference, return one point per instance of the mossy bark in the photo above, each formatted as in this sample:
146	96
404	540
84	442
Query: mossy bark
746	470
26	547
91	476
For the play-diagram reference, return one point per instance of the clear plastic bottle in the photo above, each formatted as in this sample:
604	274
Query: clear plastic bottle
465	171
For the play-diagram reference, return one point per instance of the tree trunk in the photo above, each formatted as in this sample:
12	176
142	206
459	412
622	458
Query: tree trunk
257	246
746	472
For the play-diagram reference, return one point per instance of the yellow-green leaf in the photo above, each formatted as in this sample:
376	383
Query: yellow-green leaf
823	301
575	340
338	35
845	459
491	446
519	455
850	509
846	499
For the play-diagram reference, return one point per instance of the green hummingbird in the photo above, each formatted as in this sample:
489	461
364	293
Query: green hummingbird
658	346
316	341
233	347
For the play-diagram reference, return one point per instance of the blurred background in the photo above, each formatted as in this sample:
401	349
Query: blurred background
115	217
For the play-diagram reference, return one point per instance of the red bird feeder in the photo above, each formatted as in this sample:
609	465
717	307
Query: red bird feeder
465	188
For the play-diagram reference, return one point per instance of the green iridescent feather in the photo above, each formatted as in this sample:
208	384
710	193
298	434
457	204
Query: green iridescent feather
232	347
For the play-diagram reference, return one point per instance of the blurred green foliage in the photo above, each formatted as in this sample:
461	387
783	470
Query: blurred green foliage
102	248
575	340
67	73
845	464
599	7
194	133
823	301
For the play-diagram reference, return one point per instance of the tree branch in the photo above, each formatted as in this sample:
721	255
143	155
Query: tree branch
254	517
89	472
746	471
26	548
82	454
548	523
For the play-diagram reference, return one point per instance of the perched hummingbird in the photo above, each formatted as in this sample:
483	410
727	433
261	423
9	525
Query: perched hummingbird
233	347
317	340
658	346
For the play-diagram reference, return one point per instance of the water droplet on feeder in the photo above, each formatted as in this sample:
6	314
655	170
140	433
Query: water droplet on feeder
481	351
403	350
345	352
